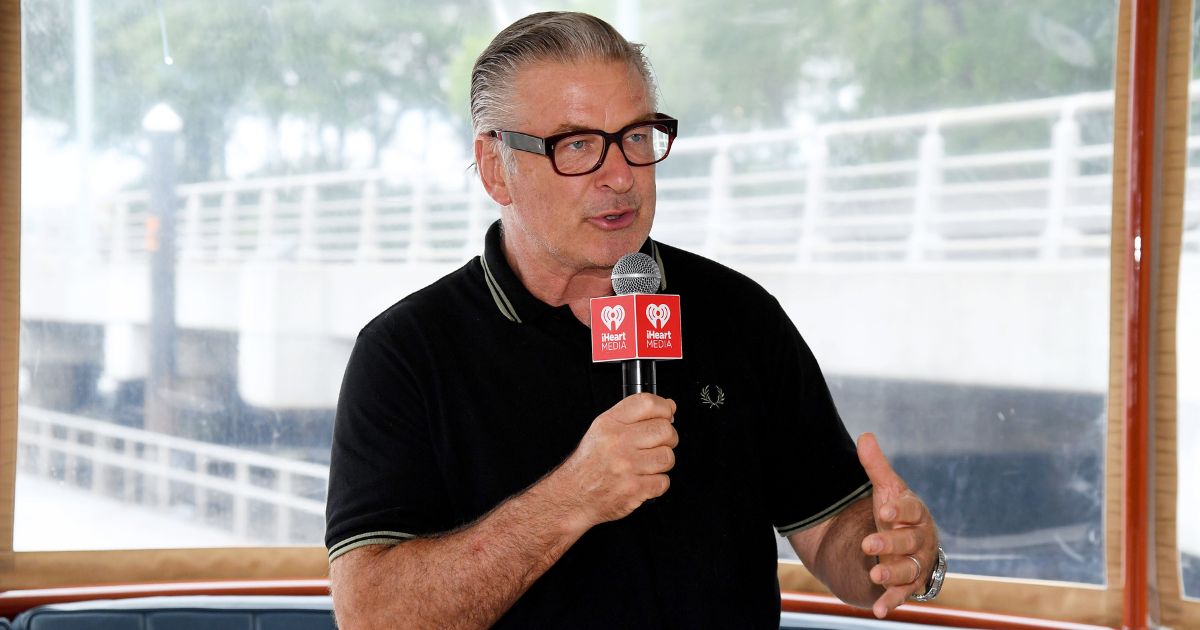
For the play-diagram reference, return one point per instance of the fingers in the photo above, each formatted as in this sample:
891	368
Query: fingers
639	407
891	598
655	460
655	486
622	460
903	541
873	461
654	433
906	509
895	571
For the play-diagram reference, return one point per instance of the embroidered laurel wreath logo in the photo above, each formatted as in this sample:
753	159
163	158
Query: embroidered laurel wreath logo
706	397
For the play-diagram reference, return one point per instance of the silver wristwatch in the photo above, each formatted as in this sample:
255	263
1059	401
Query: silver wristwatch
934	585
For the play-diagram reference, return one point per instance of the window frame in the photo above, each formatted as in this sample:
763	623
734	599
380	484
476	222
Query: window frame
1153	56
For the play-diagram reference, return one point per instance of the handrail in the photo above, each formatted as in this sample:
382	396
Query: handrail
802	192
153	467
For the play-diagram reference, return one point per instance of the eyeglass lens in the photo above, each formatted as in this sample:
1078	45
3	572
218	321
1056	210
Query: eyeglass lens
642	145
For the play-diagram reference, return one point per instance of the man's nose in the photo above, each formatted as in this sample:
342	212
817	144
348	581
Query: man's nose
615	172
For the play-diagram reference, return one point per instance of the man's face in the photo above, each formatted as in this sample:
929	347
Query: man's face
586	221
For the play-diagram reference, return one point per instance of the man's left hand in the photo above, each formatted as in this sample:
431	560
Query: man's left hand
904	531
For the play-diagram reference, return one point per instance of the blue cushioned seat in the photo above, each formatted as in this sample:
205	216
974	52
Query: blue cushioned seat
192	612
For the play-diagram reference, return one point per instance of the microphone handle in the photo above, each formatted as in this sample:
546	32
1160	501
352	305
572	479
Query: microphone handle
637	376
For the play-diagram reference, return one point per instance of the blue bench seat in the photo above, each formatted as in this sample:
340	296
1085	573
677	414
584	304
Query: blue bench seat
191	612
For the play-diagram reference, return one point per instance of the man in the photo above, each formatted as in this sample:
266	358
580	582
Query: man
485	472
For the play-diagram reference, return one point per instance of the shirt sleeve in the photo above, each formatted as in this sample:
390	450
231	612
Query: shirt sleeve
813	468
384	484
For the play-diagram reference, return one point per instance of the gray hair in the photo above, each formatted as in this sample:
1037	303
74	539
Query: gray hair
558	36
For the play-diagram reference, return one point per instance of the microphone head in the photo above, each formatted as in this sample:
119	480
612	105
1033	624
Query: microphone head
636	273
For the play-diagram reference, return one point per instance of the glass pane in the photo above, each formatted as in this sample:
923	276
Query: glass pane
924	186
217	196
1187	344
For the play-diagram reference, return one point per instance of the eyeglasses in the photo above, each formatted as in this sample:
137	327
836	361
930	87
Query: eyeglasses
581	152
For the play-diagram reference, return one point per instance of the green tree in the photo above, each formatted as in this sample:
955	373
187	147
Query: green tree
342	66
360	65
760	63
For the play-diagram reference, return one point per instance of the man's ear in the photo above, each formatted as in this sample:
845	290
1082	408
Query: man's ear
491	169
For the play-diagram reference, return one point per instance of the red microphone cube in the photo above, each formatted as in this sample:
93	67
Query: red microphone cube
636	326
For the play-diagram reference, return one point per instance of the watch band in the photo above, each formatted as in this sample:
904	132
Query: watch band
936	577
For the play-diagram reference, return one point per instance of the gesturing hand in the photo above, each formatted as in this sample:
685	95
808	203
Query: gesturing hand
904	531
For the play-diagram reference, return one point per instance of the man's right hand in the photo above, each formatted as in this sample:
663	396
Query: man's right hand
622	460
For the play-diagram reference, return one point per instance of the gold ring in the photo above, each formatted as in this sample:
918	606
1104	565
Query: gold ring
918	563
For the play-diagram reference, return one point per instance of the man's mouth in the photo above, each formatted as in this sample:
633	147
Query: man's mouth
614	220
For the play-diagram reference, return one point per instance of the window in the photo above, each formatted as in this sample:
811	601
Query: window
930	206
934	213
1188	437
179	365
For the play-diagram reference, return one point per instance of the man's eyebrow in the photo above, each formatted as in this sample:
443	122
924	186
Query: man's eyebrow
567	127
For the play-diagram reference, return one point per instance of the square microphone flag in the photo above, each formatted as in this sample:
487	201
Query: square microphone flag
636	326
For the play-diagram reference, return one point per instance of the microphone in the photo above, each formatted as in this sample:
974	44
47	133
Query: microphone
651	332
637	273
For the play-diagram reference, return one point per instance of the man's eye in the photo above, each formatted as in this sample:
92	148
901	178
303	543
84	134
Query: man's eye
635	138
578	144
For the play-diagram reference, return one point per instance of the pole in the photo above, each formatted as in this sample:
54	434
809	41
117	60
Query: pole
163	126
82	232
1143	90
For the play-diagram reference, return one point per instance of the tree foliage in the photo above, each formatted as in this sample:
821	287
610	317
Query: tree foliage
359	65
764	63
340	66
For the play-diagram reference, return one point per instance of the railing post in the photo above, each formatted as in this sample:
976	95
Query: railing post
816	152
40	428
241	506
113	477
162	490
200	488
368	222
266	223
129	476
70	460
418	220
120	238
720	193
190	243
1065	140
308	249
283	511
928	193
226	248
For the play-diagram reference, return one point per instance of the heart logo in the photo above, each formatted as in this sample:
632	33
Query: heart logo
612	316
658	314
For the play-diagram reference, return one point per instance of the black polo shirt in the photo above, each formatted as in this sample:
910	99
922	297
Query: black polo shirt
470	390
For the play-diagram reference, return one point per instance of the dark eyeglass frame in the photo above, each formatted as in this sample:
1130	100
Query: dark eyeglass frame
545	146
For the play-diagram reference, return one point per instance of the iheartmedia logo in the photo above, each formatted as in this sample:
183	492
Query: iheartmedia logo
658	314
612	316
636	326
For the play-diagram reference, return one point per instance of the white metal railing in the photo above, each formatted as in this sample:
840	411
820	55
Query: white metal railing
256	497
937	185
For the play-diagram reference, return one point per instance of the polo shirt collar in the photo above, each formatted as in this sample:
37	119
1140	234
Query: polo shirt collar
512	299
